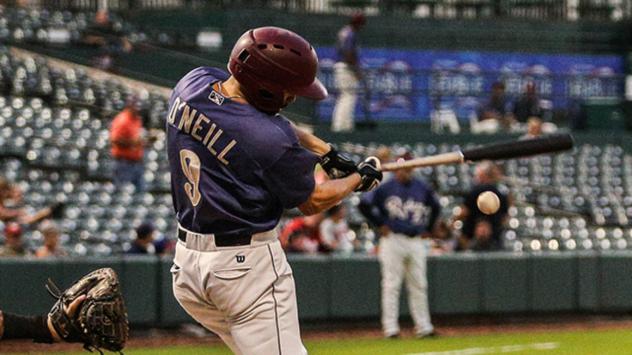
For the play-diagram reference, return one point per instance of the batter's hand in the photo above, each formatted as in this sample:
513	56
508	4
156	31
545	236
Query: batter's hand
337	165
370	173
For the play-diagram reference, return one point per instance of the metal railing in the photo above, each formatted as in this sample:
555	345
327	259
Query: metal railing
564	10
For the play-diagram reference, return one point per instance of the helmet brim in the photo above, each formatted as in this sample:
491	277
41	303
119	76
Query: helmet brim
315	91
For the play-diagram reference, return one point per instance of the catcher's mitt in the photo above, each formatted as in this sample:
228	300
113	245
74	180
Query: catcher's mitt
101	320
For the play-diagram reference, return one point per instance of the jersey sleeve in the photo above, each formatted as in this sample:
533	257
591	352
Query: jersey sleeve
291	177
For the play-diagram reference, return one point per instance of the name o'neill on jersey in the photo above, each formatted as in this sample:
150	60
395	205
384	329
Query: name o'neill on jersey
199	127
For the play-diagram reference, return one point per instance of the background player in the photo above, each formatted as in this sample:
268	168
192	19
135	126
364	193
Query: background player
405	209
347	74
480	231
235	166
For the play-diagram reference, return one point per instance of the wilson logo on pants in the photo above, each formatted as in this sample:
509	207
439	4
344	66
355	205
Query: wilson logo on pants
240	258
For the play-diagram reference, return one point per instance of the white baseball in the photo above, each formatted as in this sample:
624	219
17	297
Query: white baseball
488	202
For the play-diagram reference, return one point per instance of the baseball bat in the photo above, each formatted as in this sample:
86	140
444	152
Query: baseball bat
504	150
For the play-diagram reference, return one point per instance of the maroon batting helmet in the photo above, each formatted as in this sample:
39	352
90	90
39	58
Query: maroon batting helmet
271	61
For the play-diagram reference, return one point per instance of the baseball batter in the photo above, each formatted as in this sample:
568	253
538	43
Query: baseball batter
236	164
405	209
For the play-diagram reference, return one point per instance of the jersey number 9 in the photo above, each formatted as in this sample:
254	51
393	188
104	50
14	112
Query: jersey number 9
191	168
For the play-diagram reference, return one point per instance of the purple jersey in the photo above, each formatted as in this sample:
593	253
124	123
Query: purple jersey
410	209
346	43
233	168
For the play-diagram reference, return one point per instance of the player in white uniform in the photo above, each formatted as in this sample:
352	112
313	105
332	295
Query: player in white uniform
405	211
235	165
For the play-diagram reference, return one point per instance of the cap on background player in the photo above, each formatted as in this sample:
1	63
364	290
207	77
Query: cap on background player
403	154
488	202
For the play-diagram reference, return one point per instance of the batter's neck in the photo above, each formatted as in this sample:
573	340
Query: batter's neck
231	89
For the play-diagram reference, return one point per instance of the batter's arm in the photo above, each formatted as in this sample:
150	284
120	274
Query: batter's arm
311	142
329	193
335	164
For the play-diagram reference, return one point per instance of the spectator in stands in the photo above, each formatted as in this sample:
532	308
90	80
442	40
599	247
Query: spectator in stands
301	234
109	38
347	74
12	206
13	245
405	211
126	138
50	249
528	105
534	128
498	109
443	240
144	242
335	234
383	153
7	197
164	245
481	232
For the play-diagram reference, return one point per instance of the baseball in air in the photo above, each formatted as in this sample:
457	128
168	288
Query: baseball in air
488	202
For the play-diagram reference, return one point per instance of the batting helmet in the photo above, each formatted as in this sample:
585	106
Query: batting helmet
269	62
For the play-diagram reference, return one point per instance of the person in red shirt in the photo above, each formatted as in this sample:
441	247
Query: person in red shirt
301	234
126	138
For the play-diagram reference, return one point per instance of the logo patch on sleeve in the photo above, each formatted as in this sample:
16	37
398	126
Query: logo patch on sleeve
216	98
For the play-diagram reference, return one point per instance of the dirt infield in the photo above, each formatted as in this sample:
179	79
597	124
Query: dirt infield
156	338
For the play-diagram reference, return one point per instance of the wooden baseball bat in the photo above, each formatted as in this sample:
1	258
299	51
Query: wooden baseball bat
504	150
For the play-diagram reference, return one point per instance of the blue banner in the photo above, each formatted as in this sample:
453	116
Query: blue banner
408	84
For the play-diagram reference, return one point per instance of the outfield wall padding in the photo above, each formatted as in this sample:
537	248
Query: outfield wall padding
348	287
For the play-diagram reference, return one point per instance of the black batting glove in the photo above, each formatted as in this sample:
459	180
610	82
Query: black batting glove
337	165
370	173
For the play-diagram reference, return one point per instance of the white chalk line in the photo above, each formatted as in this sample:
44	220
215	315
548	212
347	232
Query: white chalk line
501	349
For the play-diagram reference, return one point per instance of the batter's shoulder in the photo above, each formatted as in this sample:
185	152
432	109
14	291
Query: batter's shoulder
199	78
270	139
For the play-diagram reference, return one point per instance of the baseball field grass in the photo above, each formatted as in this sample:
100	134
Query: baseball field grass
584	342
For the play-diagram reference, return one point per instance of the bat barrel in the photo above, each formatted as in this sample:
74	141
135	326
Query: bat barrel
506	150
522	148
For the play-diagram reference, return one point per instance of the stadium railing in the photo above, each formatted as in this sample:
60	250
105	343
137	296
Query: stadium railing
539	9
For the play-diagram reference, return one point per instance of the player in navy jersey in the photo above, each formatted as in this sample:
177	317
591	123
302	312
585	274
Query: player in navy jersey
347	74
236	164
405	210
